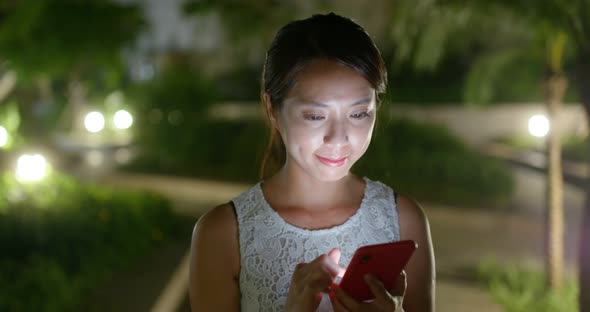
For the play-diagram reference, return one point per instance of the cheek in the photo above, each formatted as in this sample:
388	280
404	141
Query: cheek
360	137
304	138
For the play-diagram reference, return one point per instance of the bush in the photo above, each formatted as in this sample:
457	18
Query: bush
576	148
170	112
60	239
427	162
518	289
420	160
222	150
573	148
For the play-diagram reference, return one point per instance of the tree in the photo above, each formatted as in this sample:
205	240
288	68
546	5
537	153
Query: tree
45	40
558	27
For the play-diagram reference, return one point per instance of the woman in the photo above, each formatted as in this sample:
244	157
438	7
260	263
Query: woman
281	244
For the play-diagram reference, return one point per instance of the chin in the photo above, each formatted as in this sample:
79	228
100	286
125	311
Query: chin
331	175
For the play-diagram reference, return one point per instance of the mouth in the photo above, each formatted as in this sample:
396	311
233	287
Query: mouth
332	162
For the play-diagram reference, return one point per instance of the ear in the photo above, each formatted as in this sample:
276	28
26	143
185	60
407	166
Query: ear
271	113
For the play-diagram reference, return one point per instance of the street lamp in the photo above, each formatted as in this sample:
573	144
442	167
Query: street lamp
31	168
539	126
94	122
123	119
3	137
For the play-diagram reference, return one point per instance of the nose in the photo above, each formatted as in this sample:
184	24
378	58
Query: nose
336	133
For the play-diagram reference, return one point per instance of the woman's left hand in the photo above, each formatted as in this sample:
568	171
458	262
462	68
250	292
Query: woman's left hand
385	300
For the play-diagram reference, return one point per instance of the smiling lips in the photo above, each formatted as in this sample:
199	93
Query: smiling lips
332	162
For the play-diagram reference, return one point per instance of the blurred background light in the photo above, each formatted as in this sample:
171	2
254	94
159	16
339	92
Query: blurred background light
123	119
3	136
94	158
30	168
155	116
539	126
123	156
94	122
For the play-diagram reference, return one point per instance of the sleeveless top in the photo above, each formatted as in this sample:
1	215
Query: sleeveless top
270	248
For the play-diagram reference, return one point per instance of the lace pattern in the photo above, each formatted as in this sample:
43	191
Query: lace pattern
270	247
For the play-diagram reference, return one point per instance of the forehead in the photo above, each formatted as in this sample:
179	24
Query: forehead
326	80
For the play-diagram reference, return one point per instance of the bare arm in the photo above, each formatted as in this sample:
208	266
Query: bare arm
215	262
420	270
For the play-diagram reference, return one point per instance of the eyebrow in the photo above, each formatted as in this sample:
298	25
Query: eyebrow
318	104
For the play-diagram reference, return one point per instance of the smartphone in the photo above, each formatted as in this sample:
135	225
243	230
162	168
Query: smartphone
385	261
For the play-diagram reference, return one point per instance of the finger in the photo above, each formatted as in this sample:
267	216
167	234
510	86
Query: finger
346	301
334	255
339	307
318	299
400	285
327	264
377	288
299	271
318	281
299	267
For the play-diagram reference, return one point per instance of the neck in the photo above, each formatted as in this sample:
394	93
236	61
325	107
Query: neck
299	189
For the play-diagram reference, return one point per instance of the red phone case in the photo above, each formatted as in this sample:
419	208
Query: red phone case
385	261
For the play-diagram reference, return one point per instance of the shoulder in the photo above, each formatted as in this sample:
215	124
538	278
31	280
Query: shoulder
420	270
214	261
411	214
408	210
216	235
216	221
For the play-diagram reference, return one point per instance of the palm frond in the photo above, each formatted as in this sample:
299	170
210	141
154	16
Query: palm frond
486	70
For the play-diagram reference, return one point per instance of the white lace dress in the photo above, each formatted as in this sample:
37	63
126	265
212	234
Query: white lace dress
270	247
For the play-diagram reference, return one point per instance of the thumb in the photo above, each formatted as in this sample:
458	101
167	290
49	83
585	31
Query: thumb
399	288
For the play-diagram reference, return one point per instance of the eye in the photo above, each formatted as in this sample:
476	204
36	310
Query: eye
313	117
360	115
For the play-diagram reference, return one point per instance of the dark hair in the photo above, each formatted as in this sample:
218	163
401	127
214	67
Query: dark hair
329	36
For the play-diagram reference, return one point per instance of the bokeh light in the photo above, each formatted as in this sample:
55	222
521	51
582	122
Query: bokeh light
31	168
94	158
94	122
539	126
123	119
3	137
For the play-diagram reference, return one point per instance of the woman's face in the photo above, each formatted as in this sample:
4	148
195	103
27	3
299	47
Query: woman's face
327	119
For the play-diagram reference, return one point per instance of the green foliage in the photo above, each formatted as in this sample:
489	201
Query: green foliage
39	284
425	33
425	161
170	116
547	17
10	120
487	68
444	86
60	239
420	160
573	148
225	150
520	289
420	33
521	141
72	35
577	148
249	21
240	84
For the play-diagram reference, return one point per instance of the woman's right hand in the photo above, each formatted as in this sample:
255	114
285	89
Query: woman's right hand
310	280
